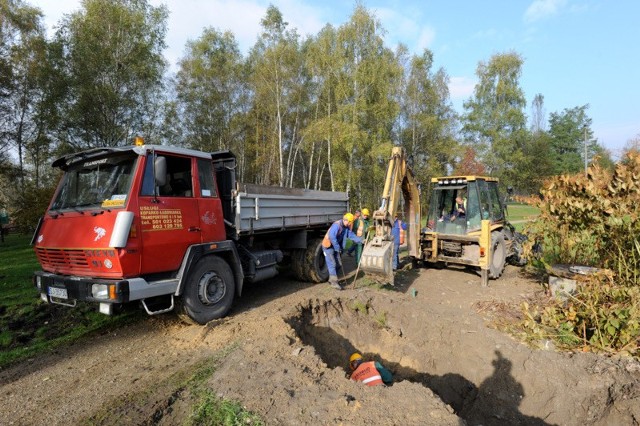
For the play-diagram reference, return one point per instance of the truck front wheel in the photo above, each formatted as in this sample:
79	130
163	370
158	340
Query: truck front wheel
208	292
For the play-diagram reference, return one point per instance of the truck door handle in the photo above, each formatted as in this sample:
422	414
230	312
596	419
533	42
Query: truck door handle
194	229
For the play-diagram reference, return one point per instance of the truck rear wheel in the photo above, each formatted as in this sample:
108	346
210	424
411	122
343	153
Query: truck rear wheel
498	255
208	292
315	263
298	265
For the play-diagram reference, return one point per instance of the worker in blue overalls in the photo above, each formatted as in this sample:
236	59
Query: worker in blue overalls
333	244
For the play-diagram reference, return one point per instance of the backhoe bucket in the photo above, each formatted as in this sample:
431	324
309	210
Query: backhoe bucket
377	260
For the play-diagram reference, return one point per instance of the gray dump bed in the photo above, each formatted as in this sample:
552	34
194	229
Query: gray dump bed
261	208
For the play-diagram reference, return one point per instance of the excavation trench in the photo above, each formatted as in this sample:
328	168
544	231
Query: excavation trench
516	385
336	329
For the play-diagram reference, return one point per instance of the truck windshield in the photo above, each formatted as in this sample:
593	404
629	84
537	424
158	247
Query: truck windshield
103	182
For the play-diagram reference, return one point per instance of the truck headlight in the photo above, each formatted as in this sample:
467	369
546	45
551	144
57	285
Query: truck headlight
39	282
100	291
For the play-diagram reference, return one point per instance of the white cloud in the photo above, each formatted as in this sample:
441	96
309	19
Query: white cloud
461	88
54	10
403	29
425	39
489	33
188	18
541	9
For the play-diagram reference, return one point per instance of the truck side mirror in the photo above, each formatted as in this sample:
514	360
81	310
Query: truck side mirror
160	171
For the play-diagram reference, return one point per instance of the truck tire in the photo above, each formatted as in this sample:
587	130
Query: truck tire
298	265
315	263
498	255
208	292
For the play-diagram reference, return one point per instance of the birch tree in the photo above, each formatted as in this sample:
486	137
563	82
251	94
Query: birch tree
112	67
494	119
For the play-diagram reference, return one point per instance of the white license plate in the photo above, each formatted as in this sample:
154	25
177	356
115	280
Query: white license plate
60	293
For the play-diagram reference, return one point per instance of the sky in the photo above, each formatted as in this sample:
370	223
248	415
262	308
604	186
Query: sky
575	52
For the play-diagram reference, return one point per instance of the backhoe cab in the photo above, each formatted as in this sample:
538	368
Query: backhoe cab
466	224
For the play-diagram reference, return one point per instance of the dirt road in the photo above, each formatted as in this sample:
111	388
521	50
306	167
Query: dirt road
283	352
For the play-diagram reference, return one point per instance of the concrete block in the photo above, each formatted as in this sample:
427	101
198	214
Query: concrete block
561	287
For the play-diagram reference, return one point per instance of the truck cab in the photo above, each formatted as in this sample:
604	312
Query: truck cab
109	205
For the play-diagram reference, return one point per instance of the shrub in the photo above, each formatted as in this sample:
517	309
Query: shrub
592	220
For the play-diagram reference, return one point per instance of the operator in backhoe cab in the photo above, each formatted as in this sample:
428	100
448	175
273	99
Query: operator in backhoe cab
460	209
333	244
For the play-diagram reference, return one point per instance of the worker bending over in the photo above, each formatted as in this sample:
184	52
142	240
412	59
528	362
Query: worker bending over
333	244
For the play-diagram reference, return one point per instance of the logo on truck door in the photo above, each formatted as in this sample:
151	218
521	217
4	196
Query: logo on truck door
208	218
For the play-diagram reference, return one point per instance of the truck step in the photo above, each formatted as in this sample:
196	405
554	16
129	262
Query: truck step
154	306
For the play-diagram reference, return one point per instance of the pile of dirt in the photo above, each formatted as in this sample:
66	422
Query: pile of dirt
283	354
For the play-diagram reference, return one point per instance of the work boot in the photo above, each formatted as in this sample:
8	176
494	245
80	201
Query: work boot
333	281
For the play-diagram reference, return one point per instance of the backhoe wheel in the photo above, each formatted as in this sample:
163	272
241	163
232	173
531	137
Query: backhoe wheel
516	253
498	255
315	263
208	292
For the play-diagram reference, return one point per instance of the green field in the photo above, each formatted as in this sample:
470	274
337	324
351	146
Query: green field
520	214
517	212
28	325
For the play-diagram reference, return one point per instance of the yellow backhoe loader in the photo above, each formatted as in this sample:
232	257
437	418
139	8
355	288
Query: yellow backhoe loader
466	224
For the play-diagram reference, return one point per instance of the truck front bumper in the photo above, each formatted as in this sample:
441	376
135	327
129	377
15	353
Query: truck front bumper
67	290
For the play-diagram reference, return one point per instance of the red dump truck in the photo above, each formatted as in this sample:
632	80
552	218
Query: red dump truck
173	228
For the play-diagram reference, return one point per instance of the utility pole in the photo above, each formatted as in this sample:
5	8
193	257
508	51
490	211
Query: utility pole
585	150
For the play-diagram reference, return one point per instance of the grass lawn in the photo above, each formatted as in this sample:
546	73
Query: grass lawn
521	212
27	324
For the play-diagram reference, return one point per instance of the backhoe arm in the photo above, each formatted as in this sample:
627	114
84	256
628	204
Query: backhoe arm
377	258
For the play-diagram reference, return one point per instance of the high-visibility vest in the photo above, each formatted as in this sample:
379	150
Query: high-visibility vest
326	241
367	373
360	230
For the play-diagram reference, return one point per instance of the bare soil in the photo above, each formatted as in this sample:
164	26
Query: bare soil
283	353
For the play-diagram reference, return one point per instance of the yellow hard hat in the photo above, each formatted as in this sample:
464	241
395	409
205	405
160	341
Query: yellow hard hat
365	212
348	217
355	360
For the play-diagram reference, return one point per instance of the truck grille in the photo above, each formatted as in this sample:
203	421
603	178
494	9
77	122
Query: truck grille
62	261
